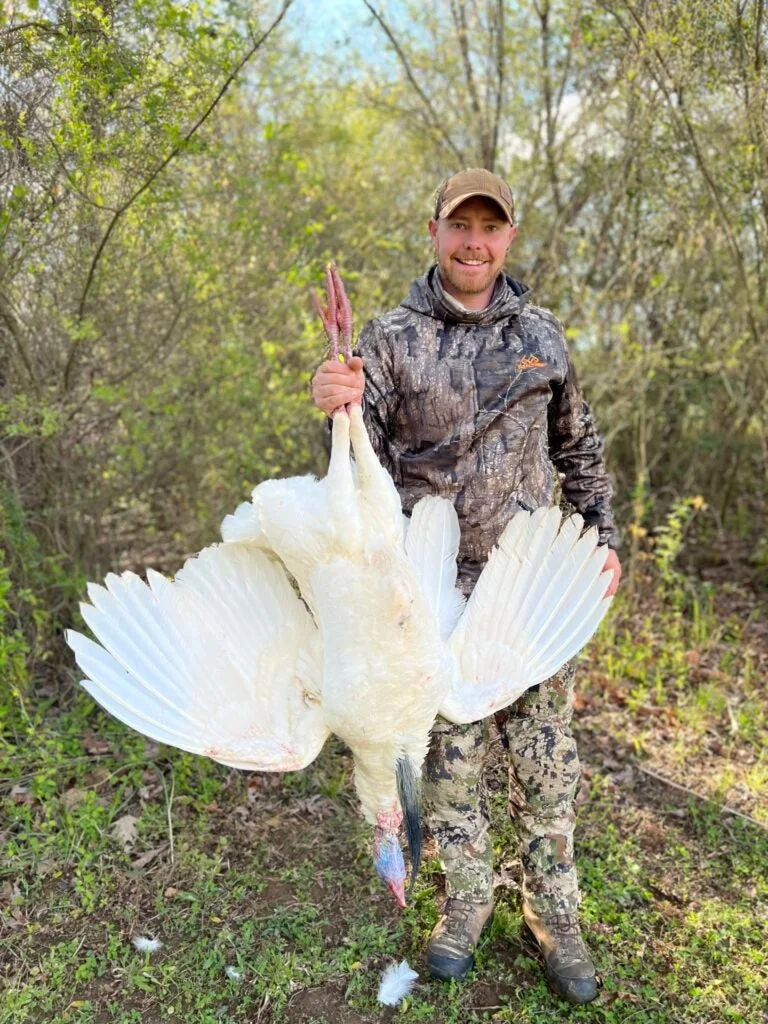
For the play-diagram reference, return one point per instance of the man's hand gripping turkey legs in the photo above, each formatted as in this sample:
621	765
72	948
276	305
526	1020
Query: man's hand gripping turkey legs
337	384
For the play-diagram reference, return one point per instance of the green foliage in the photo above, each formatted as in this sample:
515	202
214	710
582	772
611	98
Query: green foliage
13	646
35	587
161	367
668	543
634	138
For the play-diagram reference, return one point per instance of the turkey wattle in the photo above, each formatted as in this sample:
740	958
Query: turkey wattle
227	661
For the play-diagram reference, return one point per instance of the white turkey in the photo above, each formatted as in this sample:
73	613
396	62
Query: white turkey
226	660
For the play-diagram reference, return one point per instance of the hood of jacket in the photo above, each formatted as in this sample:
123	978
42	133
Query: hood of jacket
428	297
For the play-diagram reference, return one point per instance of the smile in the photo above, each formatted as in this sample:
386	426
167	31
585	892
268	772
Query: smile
470	263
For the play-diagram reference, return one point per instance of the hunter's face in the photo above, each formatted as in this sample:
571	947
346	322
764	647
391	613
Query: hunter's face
471	245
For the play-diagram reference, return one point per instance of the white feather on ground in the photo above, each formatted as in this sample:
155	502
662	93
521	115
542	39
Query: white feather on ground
396	983
145	945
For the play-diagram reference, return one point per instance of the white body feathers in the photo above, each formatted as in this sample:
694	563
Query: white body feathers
397	981
226	660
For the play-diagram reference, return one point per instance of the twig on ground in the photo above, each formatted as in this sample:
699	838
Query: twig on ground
732	718
703	799
9	781
262	1008
168	804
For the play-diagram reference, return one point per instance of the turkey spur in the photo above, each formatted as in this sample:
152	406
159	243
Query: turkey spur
225	660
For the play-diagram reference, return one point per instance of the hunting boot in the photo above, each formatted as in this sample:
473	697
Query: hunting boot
570	971
451	949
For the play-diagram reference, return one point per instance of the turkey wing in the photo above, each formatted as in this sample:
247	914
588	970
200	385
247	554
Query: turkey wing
538	601
224	660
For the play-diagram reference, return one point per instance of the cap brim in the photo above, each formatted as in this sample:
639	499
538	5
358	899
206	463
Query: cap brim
447	209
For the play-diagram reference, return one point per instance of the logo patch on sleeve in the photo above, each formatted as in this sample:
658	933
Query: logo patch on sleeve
530	363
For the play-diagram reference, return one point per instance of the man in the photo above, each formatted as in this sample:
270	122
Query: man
469	393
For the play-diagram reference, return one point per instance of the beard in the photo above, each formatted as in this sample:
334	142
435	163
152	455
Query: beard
468	283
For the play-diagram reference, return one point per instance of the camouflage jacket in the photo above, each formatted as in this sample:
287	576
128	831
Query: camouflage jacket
481	407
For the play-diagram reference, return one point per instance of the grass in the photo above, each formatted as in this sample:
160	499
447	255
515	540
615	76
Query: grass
271	877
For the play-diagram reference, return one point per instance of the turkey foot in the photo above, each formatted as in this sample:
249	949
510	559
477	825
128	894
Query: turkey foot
336	316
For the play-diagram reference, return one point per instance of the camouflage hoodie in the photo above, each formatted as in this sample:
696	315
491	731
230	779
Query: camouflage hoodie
477	406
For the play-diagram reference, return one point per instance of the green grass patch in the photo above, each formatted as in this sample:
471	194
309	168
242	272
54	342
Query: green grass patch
271	878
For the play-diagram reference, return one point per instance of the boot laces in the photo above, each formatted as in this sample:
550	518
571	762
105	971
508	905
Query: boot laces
457	914
565	928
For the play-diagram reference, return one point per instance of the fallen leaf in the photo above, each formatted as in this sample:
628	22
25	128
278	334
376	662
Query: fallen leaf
96	745
252	787
46	867
21	795
603	929
581	701
261	782
96	778
626	777
71	797
504	879
146	858
583	794
315	806
124	831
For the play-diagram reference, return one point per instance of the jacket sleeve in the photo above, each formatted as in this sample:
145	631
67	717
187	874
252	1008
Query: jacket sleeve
576	449
381	396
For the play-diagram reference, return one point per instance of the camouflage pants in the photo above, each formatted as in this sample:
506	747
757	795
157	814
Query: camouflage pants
543	777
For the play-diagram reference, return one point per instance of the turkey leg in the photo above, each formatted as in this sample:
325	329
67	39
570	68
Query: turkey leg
373	481
337	321
336	316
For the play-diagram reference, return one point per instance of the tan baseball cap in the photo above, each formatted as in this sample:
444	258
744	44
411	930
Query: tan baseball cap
475	181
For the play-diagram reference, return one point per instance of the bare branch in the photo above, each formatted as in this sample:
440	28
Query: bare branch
155	174
459	14
550	118
8	318
499	28
664	79
758	35
43	26
434	118
52	143
725	809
